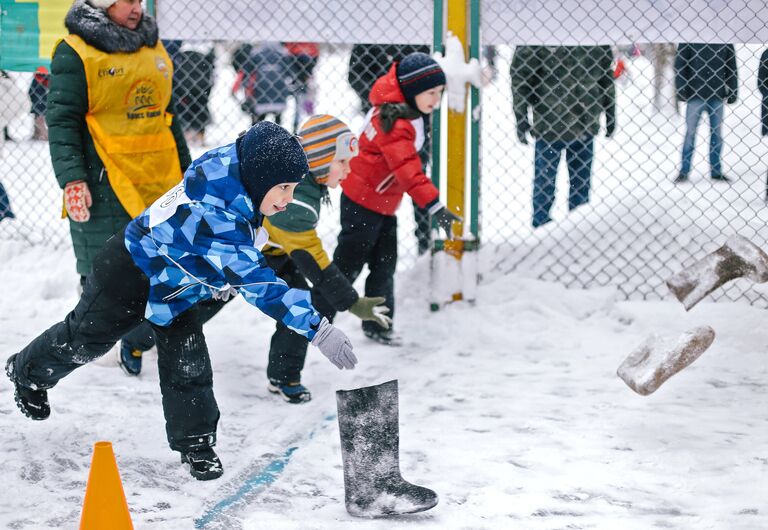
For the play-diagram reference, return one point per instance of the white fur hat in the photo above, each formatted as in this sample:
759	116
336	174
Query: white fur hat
102	4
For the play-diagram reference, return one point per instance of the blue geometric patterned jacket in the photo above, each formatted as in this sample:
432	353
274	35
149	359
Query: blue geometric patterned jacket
204	236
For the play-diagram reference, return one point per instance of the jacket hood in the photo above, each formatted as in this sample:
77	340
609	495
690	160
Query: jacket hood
214	179
95	27
386	89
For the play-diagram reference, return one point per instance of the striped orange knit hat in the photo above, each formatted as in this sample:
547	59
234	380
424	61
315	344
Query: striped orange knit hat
325	139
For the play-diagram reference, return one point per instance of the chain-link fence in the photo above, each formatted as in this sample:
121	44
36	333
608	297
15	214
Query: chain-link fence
594	169
560	198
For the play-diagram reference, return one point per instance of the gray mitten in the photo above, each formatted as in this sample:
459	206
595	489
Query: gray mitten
334	344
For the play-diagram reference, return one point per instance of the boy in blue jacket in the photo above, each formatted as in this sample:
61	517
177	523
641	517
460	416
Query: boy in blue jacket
199	241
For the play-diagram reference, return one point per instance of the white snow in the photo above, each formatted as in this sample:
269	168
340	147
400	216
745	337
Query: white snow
458	72
510	409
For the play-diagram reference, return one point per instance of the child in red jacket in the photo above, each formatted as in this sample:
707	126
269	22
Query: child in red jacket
387	167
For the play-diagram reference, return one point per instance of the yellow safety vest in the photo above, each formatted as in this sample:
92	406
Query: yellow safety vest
127	97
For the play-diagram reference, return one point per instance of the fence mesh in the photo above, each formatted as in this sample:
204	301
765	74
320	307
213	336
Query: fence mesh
569	204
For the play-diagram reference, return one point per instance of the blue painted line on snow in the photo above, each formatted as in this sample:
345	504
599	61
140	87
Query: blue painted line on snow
263	479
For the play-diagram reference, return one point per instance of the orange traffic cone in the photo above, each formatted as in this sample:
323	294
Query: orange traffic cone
104	506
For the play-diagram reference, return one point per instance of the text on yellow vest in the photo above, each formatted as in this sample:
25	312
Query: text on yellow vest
128	94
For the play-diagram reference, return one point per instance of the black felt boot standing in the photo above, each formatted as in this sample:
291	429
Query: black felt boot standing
369	428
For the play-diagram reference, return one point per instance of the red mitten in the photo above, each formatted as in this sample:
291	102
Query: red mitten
77	200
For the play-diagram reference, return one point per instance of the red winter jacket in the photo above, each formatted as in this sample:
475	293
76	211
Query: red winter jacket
388	164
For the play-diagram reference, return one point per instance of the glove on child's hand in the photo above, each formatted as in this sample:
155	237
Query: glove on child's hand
372	308
77	200
444	218
224	294
334	344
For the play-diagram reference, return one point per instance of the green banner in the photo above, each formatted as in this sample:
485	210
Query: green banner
28	31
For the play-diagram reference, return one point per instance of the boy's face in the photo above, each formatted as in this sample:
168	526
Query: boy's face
429	100
277	198
126	13
338	172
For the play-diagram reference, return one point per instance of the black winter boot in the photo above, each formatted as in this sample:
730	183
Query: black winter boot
33	403
368	424
387	337
204	464
294	393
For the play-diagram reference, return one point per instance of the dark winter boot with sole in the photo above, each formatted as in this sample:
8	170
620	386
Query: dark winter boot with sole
738	258
129	359
387	337
33	403
204	464
370	439
294	393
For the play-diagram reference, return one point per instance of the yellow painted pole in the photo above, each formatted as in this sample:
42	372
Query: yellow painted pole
457	148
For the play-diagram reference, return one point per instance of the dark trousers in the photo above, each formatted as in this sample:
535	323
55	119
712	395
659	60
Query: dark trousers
288	349
368	238
5	204
256	118
421	216
139	338
578	157
111	305
693	111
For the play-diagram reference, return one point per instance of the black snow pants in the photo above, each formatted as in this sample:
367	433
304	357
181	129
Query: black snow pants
368	237
112	304
288	349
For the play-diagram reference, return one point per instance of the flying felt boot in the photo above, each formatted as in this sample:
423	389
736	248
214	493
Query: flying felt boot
657	359
738	258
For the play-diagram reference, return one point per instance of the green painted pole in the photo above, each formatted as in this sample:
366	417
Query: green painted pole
474	120
437	46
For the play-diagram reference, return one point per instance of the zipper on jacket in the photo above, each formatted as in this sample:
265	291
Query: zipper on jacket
386	183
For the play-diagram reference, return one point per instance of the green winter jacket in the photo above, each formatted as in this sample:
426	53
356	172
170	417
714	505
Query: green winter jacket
566	88
293	232
73	153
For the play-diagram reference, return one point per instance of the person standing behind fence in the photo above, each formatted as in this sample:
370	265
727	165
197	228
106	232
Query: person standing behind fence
115	145
13	104
566	88
263	76
193	66
762	86
38	97
705	77
387	167
303	61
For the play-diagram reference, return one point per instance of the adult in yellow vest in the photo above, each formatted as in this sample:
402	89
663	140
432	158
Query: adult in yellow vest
114	145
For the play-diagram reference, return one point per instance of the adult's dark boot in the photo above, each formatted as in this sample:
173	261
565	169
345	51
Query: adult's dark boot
370	439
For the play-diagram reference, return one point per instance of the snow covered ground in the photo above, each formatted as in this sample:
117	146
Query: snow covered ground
511	410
